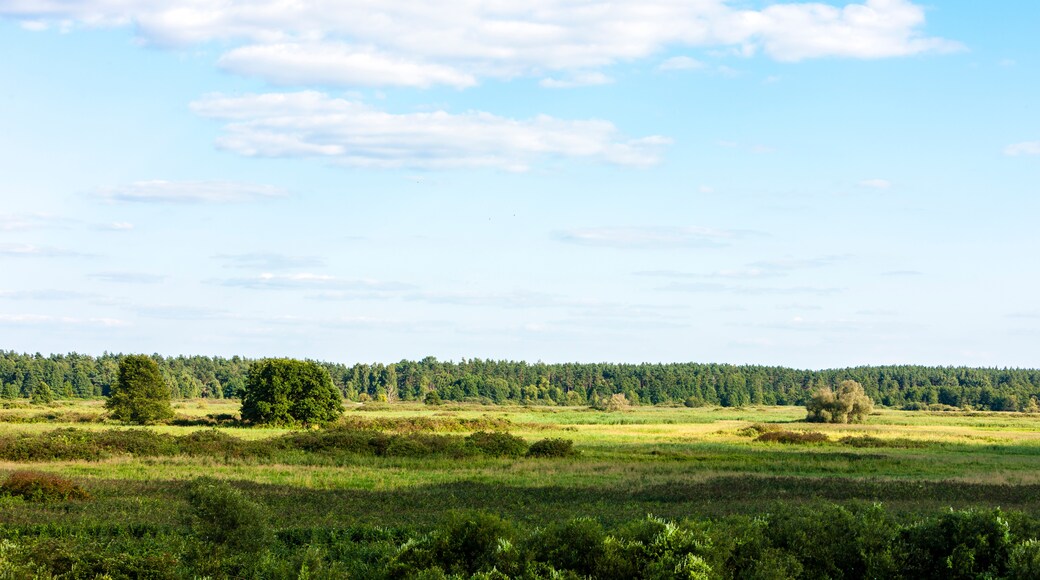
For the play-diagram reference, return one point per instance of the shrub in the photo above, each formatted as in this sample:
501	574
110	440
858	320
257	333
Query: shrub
290	392
1025	560
959	544
849	404
575	545
140	395
42	487
498	444
224	516
552	447
871	441
792	437
757	429
432	398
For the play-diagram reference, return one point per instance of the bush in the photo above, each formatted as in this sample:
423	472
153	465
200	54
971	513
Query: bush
871	441
757	429
498	444
42	487
290	392
792	437
552	448
224	516
467	544
1025	560
959	544
140	395
575	545
849	404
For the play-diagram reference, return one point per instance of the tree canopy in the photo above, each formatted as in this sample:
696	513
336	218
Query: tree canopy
139	395
849	404
289	392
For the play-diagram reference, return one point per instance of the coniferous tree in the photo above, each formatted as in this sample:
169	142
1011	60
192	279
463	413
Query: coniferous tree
139	395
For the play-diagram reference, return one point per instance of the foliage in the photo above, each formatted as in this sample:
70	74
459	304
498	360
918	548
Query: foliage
877	442
42	394
223	515
848	405
42	487
139	395
490	381
290	392
792	437
552	447
498	444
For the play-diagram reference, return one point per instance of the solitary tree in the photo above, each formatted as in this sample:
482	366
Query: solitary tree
139	395
289	392
848	405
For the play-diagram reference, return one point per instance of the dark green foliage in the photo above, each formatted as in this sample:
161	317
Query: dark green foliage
224	516
1024	561
792	437
290	392
489	381
498	444
552	447
432	398
467	543
42	394
958	544
42	487
576	545
140	395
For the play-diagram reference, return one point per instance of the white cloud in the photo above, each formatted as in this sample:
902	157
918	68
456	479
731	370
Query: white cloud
650	237
117	226
267	261
312	124
30	221
47	320
337	64
680	63
583	79
1025	148
33	251
310	281
876	184
190	192
128	277
454	43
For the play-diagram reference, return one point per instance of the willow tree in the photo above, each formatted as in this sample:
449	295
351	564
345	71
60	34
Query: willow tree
849	404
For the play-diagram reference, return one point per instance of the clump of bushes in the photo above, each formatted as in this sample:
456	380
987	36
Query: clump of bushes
871	442
42	487
224	516
849	404
793	437
757	429
498	444
616	402
552	447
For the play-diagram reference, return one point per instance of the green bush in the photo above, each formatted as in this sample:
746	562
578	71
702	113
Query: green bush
498	444
224	516
1024	561
467	544
792	437
552	447
42	487
576	545
958	544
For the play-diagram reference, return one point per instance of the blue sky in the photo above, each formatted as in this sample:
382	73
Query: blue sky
790	183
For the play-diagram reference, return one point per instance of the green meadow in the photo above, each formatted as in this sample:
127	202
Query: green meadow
676	463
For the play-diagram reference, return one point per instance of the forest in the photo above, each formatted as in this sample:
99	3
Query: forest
498	382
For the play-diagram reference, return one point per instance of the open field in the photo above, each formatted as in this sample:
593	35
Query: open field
674	463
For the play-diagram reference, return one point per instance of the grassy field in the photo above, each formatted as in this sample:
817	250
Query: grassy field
674	463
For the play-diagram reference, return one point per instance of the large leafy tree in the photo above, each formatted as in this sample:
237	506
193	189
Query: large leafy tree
139	395
848	405
290	392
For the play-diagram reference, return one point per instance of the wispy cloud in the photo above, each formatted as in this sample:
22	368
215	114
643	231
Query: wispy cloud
33	251
309	281
754	270
127	277
903	273
652	237
580	79
876	184
31	221
47	320
680	63
745	289
313	124
160	191
1021	149
56	295
268	261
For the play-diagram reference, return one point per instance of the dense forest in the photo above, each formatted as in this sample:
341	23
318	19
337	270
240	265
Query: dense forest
488	381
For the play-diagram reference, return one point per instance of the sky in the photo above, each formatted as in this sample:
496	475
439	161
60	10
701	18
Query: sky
813	185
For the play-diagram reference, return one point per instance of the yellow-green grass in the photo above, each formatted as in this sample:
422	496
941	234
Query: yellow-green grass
669	460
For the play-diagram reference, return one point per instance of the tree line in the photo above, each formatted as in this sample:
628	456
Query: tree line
497	381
